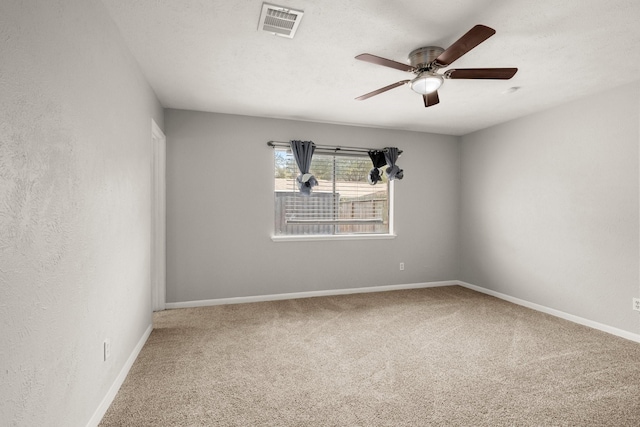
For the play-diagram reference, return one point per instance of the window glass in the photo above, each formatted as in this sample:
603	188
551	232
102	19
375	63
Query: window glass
342	203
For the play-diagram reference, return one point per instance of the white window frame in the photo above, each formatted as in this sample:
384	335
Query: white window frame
333	237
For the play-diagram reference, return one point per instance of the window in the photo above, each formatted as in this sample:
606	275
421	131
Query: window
343	202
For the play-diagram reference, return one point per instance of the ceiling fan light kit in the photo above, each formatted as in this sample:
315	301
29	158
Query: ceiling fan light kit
426	61
426	82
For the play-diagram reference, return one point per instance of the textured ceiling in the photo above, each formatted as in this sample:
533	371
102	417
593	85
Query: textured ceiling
209	56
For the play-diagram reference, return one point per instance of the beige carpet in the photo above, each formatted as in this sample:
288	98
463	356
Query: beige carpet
439	356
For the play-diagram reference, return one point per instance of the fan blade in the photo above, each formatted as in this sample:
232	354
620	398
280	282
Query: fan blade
464	44
481	73
379	91
431	99
385	62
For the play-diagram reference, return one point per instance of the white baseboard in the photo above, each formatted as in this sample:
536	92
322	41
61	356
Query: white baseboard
113	390
557	313
275	297
309	294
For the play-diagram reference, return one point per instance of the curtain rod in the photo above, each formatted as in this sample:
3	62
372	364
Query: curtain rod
330	147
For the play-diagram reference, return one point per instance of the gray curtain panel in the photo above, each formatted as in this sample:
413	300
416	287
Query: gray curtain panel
303	152
393	171
378	159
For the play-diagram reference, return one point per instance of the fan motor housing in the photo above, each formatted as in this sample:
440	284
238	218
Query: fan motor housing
422	57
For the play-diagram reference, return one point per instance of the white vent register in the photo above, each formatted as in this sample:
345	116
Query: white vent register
279	21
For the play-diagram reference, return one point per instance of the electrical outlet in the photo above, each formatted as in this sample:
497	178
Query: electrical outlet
636	304
107	349
401	266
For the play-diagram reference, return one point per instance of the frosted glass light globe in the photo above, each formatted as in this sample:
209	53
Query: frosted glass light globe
426	83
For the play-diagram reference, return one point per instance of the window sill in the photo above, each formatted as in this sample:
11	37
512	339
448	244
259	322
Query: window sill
333	237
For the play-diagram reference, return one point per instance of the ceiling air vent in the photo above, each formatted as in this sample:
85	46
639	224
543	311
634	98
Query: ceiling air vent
279	20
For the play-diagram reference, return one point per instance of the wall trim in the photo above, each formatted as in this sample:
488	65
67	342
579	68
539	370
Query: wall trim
308	294
158	217
557	313
117	383
331	292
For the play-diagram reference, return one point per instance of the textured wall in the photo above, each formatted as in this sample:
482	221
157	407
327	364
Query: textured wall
220	171
550	208
75	125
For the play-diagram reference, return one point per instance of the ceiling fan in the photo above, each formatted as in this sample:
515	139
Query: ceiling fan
426	61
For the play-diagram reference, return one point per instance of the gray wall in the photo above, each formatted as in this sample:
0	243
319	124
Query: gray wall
75	132
549	208
220	172
544	208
